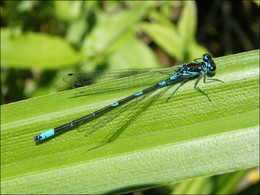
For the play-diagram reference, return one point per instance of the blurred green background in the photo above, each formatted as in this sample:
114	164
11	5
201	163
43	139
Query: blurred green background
41	41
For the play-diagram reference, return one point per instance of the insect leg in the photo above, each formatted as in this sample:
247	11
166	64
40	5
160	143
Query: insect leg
181	83
196	83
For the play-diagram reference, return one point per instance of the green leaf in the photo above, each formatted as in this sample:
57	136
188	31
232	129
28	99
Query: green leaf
187	27
257	3
76	30
133	54
36	50
67	10
26	6
106	36
167	38
178	40
150	144
202	185
187	24
226	184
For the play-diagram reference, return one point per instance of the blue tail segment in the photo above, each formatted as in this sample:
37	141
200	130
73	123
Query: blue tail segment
139	93
44	135
163	83
115	104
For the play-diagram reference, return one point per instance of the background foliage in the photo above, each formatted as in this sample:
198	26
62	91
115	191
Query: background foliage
43	41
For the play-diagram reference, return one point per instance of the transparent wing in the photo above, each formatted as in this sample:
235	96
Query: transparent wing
121	109
80	79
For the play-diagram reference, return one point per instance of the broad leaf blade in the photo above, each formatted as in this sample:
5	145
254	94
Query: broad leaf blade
184	138
36	50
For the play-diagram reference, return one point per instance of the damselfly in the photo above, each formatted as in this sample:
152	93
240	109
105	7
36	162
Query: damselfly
181	75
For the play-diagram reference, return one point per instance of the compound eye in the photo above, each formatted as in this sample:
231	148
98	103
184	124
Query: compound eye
212	69
206	57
